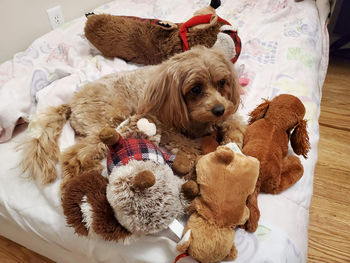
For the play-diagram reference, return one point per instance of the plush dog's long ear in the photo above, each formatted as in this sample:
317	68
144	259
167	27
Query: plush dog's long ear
259	111
300	139
163	98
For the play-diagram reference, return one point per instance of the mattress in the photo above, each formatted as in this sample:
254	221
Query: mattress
284	50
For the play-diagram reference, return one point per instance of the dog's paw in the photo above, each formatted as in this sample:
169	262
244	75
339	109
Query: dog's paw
235	136
233	131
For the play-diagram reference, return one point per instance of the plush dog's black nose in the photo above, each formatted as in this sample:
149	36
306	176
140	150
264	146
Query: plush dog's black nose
218	110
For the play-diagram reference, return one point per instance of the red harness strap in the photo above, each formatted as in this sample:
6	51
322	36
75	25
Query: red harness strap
203	19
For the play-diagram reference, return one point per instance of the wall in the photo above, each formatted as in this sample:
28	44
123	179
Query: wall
22	21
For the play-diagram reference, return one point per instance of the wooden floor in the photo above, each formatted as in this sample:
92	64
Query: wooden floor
329	232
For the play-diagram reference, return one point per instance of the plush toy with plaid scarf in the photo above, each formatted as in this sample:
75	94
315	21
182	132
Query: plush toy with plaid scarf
145	194
151	41
139	194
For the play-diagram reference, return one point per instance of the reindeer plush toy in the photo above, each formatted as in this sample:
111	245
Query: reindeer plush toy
151	41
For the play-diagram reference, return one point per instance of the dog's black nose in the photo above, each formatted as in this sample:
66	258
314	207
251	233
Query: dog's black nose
218	110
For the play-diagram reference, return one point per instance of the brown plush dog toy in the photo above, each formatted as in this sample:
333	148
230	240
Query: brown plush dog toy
272	124
151	41
225	179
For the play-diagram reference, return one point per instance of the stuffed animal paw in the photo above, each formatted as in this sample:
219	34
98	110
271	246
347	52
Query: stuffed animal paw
183	164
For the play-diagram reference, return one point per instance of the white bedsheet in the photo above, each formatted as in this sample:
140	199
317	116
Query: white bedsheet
285	50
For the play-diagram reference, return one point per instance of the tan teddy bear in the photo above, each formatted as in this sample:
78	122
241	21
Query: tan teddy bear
225	180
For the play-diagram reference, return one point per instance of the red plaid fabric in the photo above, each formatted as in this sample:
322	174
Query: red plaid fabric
136	149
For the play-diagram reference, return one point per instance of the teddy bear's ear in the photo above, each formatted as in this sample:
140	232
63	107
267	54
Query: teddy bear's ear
259	112
300	139
224	154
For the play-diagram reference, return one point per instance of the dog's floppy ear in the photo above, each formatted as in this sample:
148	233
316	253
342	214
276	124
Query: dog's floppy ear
163	98
259	111
300	139
235	97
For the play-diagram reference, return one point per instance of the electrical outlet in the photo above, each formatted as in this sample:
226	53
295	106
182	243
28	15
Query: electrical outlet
55	16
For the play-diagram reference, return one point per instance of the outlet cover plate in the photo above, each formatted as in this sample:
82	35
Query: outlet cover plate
55	16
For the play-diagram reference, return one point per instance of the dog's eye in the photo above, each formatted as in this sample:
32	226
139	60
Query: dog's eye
196	89
222	83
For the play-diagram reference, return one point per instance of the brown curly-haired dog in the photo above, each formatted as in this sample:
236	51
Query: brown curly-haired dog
192	94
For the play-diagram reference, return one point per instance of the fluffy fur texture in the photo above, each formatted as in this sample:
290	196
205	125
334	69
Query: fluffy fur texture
143	196
89	191
40	148
272	124
225	179
149	210
151	41
191	94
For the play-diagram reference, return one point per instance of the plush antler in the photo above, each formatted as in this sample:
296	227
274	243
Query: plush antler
214	4
109	136
300	139
259	112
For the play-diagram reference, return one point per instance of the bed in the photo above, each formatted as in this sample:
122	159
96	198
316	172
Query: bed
284	50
